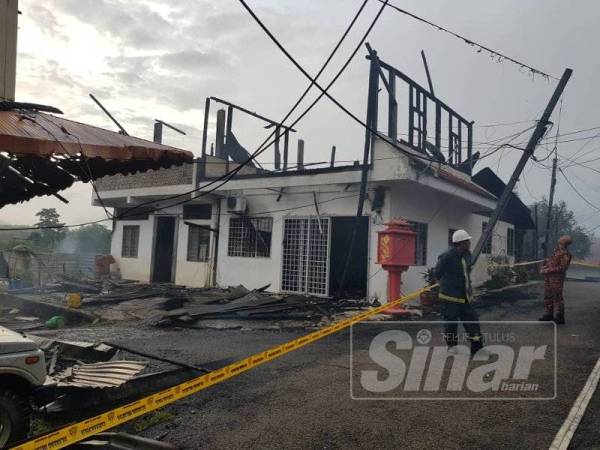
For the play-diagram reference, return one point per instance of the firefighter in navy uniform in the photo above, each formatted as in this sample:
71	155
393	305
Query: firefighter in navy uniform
453	272
554	271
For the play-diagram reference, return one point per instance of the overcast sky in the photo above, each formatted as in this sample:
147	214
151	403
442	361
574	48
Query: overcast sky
155	59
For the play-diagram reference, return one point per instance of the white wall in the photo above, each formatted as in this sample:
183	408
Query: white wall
260	271
187	273
440	211
499	244
134	268
192	273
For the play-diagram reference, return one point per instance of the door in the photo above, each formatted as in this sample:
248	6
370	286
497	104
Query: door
305	264
164	249
351	267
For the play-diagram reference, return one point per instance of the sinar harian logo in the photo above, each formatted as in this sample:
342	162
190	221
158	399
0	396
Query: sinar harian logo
404	364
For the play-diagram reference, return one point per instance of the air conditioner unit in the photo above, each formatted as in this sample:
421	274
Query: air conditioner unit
236	204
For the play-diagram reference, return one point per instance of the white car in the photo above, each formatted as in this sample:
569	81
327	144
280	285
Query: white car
22	370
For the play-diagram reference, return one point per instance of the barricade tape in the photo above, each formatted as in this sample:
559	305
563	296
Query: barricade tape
74	433
529	263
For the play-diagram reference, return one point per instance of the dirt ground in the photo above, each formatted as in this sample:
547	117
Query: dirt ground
302	400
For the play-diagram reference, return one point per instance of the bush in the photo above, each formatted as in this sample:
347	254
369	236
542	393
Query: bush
500	273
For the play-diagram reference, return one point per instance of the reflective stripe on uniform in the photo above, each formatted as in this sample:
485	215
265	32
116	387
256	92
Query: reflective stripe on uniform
467	280
449	298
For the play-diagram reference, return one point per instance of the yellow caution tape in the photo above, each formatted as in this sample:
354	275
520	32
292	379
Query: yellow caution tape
71	434
585	264
528	263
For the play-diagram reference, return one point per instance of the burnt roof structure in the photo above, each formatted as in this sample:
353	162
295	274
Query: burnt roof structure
42	154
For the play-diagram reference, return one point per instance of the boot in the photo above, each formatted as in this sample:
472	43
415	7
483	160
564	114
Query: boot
546	318
476	344
559	319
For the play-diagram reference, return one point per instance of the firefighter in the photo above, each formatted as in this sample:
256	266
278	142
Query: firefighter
554	271
453	272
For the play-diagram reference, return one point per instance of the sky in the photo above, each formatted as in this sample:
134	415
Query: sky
147	60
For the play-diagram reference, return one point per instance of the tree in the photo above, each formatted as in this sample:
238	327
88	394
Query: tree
51	231
93	238
563	222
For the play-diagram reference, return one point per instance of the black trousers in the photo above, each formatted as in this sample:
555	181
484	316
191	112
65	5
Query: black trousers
460	312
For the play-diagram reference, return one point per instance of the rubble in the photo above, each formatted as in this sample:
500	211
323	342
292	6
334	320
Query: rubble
168	305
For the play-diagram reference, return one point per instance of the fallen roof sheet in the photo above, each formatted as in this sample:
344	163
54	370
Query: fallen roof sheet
100	375
41	154
516	212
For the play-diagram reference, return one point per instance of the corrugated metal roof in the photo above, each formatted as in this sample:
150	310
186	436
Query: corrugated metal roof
100	375
41	154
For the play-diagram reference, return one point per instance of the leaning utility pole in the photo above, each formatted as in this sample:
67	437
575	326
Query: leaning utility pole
550	203
538	133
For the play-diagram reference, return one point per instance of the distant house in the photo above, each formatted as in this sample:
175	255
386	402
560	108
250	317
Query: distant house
290	227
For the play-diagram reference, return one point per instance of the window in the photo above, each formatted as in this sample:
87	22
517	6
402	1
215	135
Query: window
421	244
250	237
487	246
202	211
510	242
131	238
451	231
198	244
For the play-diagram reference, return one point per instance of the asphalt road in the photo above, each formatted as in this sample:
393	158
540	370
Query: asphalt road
302	400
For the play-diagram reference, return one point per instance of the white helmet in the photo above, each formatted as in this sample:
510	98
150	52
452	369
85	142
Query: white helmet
460	236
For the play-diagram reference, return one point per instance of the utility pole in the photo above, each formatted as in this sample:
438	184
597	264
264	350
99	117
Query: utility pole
9	12
536	235
371	124
550	203
538	133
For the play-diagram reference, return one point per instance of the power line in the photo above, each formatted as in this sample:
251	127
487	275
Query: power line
324	92
266	144
480	47
577	192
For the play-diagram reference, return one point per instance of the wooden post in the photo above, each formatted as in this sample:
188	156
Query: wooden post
277	153
438	126
300	154
536	235
286	141
229	122
332	157
550	204
220	138
8	48
205	130
392	108
158	132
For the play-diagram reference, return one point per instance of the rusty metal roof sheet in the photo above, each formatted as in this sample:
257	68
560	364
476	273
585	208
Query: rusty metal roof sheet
100	375
41	154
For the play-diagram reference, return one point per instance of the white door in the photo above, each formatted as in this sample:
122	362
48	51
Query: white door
305	266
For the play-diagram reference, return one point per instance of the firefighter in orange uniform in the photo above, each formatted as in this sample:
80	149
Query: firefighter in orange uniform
554	271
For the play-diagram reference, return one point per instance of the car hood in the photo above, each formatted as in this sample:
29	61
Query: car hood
12	342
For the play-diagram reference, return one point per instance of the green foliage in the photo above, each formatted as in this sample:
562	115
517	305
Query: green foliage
48	238
563	222
93	238
500	274
429	276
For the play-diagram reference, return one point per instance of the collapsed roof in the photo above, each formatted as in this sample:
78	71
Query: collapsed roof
42	154
516	212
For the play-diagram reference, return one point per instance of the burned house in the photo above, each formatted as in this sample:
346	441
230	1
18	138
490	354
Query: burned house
291	227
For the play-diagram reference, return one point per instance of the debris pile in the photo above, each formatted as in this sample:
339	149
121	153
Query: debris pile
165	304
17	320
